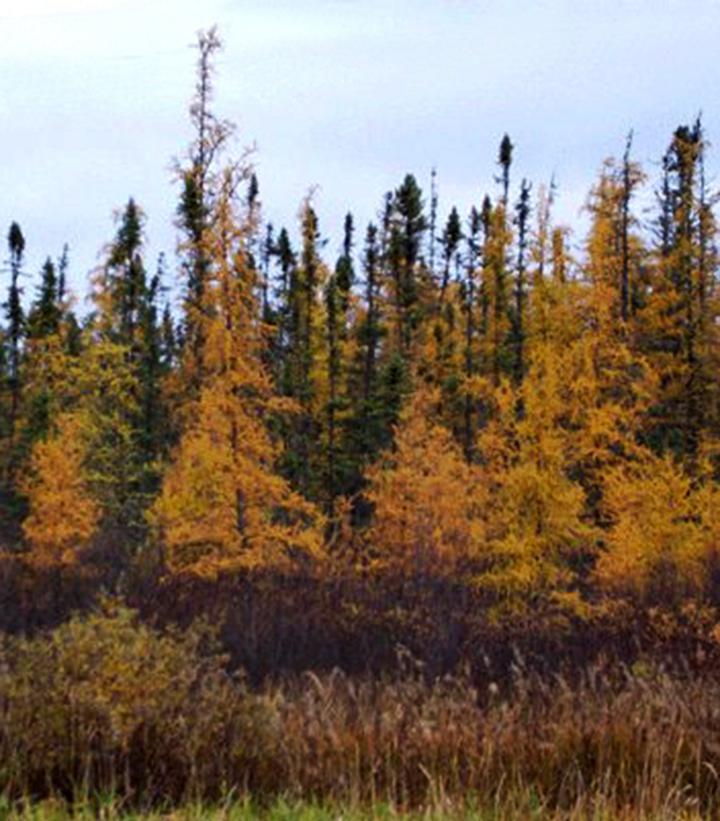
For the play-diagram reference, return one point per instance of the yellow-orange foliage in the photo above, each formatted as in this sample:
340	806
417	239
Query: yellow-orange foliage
63	515
536	522
664	529
428	500
222	506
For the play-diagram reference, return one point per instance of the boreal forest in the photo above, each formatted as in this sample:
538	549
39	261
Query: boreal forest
430	525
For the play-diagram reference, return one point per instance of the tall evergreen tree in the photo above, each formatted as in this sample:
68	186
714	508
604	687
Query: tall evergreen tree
496	292
505	157
15	317
433	221
46	311
469	297
450	241
367	422
522	217
129	437
344	269
304	333
407	228
680	320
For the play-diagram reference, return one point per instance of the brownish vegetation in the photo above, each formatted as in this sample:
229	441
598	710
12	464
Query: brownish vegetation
107	706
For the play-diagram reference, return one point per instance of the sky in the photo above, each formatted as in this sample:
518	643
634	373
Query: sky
344	95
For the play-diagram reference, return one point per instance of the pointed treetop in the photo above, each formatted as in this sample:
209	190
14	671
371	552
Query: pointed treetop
16	241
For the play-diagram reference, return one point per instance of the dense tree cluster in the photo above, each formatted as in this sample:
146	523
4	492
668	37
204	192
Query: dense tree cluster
473	400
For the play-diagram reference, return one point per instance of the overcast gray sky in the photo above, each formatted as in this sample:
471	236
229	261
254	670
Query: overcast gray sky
348	95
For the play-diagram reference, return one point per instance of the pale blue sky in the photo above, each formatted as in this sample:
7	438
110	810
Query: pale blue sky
348	95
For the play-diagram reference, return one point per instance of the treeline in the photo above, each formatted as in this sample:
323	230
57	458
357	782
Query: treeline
455	409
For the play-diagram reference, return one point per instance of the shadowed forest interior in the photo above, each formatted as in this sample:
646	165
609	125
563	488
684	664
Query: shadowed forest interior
434	519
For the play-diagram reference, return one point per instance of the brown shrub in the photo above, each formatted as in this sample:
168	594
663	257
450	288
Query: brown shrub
106	705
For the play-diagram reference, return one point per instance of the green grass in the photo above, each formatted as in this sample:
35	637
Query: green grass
522	805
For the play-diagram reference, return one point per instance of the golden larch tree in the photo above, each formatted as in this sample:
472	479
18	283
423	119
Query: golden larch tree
63	515
222	506
428	502
663	533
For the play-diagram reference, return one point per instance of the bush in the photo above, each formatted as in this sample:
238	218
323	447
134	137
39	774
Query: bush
107	707
105	704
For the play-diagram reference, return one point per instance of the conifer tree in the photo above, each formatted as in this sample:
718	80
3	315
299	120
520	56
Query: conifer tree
433	222
333	310
267	252
305	335
450	241
614	248
63	515
406	229
367	423
15	318
154	363
344	269
168	340
469	298
338	300
286	260
496	293
121	285
222	507
127	318
62	269
428	502
108	406
522	216
679	323
505	157
199	176
47	360
46	312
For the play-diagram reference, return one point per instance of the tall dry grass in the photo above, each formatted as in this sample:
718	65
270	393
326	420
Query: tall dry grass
106	706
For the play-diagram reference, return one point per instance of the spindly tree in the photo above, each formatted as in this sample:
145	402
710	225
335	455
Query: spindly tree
200	177
340	309
680	321
15	317
46	312
407	226
505	157
450	241
129	316
45	361
519	330
367	423
304	372
222	506
496	296
469	297
614	247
